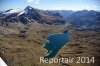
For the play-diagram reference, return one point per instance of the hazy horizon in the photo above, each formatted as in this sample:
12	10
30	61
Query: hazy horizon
75	5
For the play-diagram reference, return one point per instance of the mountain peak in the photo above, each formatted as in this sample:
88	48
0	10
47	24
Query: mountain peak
28	8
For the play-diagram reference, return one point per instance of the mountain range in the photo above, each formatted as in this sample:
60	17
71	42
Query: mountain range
85	19
30	14
79	19
64	13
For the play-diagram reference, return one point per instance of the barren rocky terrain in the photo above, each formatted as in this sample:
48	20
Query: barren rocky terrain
18	49
83	44
25	46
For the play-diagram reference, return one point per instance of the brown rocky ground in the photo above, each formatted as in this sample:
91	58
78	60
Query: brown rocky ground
25	50
83	44
17	50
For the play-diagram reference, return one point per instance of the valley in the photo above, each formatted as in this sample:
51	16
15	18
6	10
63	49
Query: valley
23	35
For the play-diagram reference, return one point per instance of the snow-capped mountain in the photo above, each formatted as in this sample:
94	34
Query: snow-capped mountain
11	11
30	14
79	19
18	11
26	10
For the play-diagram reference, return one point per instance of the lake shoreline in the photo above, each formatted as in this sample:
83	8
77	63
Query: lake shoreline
47	50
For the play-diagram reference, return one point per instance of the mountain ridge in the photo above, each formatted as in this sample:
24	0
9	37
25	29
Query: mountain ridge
30	14
85	19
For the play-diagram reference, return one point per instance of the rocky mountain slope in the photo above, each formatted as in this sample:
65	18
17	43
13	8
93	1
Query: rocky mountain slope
30	14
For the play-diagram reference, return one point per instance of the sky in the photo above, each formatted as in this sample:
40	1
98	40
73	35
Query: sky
51	4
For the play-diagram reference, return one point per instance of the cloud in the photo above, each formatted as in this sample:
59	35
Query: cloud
30	1
91	7
33	1
36	1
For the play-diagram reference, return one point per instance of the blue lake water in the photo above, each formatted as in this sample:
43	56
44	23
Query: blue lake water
55	43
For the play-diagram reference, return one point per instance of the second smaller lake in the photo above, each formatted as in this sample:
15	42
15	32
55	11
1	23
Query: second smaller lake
55	43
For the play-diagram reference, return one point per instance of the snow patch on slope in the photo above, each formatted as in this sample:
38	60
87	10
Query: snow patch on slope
12	11
22	12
